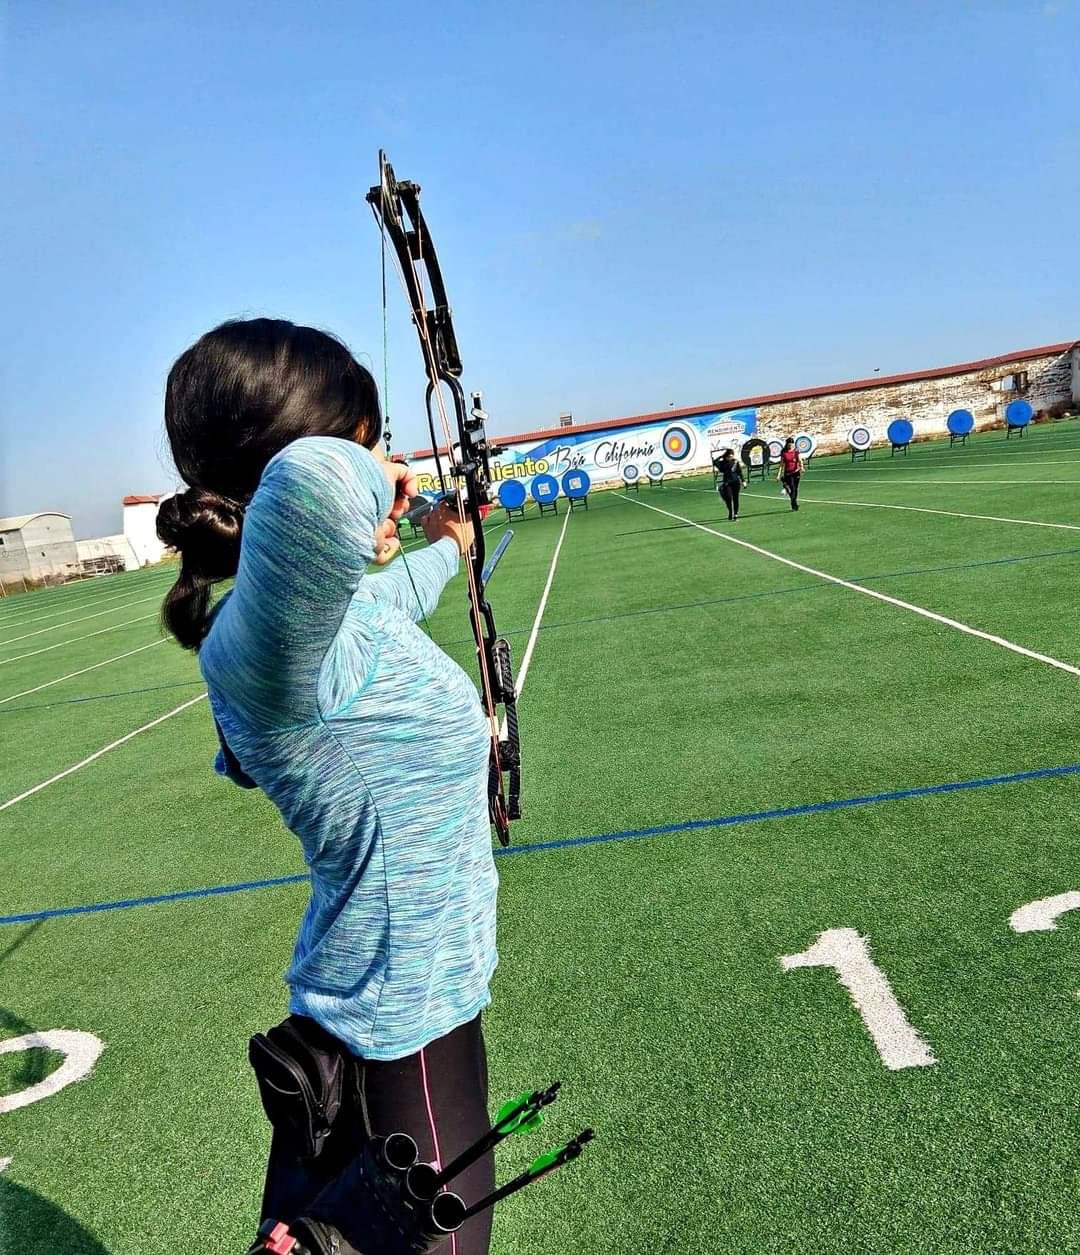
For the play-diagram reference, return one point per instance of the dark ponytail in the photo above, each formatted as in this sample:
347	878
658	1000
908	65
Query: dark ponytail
236	398
204	529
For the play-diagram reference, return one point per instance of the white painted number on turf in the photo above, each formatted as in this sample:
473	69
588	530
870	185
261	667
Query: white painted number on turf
848	954
80	1051
1042	915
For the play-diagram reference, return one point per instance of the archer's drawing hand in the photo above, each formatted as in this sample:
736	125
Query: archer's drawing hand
387	545
402	481
444	521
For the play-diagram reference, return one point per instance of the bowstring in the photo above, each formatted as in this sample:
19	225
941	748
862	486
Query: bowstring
432	371
387	436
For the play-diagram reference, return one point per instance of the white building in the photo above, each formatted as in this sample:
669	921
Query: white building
140	527
37	547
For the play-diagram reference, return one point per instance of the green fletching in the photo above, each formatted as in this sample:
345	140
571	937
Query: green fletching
544	1161
524	1122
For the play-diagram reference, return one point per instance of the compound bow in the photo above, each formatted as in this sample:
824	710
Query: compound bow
396	206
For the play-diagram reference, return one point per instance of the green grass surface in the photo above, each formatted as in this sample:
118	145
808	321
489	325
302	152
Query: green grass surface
676	678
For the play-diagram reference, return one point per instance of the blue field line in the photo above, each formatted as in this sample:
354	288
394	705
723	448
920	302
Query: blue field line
628	834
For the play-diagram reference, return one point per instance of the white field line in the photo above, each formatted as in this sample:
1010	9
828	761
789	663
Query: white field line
11	640
975	460
527	656
105	749
75	639
82	604
933	483
72	674
953	514
871	592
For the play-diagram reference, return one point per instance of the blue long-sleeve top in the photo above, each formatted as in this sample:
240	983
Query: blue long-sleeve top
373	745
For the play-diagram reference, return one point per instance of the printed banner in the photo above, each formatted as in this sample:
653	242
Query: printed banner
682	444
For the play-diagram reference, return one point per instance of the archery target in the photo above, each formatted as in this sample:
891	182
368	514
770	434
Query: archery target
900	431
545	488
630	473
754	452
511	494
860	438
678	443
576	484
655	470
960	422
776	447
806	444
1018	413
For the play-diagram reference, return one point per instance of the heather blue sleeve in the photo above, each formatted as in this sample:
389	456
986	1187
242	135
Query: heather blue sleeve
413	582
307	545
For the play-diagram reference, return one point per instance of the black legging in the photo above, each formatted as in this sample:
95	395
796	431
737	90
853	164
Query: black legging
791	483
439	1097
730	496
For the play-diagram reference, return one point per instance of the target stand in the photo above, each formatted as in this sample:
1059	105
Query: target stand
575	486
545	492
631	478
960	425
512	498
899	432
655	472
859	441
746	457
1018	415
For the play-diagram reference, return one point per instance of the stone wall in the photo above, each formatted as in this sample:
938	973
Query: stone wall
1053	382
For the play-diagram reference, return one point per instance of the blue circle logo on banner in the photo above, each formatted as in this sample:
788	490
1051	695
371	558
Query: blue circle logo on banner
860	438
576	484
678	443
655	469
1018	413
511	494
900	431
960	422
545	487
630	473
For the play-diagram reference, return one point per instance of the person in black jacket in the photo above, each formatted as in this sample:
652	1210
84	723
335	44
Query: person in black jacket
730	472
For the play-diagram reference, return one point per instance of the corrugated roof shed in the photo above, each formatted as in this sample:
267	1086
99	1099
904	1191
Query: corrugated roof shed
18	521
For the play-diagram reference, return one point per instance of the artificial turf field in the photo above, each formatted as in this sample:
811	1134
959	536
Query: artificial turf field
682	689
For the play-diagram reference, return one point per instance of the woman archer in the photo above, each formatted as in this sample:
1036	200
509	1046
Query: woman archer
370	741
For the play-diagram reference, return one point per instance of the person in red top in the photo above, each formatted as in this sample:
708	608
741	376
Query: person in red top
791	469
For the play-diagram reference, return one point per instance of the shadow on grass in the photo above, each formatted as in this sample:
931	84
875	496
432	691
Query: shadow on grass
27	1067
32	1225
674	527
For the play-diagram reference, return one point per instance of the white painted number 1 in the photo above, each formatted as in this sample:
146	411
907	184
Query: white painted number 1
848	954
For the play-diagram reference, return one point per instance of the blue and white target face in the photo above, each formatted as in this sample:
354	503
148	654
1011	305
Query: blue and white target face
806	444
655	469
545	488
1018	413
776	447
860	438
630	473
960	422
511	494
678	443
576	484
900	431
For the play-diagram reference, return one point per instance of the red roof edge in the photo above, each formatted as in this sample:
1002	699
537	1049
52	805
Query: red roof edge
773	398
144	499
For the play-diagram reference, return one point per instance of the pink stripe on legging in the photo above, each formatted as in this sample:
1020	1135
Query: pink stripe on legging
434	1131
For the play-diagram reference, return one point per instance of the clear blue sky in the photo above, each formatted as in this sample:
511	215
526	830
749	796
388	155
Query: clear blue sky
636	203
